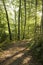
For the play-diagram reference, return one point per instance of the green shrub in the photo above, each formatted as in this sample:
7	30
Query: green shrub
3	37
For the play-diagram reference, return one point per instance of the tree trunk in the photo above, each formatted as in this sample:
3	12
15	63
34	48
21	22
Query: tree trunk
15	27
19	20
42	19
35	37
21	25
25	19
42	25
7	20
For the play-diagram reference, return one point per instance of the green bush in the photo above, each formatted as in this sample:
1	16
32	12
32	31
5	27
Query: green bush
3	37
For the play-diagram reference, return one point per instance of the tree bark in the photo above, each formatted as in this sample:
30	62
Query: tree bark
25	19
19	20
35	37
42	19
7	20
15	27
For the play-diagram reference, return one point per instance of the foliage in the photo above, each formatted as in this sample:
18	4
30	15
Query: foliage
22	19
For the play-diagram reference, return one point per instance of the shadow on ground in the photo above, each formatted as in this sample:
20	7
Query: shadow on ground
22	57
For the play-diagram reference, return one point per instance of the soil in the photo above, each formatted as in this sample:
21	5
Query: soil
18	54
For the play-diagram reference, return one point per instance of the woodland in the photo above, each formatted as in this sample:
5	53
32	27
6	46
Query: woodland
21	32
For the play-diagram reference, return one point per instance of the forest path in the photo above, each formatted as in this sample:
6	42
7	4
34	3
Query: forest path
18	54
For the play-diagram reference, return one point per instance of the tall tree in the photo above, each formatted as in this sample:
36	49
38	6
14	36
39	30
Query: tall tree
25	19
21	25
42	19
7	20
19	20
35	20
15	26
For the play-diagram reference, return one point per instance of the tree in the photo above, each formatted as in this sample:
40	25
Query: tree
15	26
19	20
25	19
35	21
7	20
42	19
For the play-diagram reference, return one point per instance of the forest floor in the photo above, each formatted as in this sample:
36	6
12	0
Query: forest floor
18	54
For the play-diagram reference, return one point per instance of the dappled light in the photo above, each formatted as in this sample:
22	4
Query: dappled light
26	60
21	32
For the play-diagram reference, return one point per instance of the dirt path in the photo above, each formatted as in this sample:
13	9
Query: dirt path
18	54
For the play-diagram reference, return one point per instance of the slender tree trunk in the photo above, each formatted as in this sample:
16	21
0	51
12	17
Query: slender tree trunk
21	25
15	26
25	19
42	19
29	12
28	31
19	20
7	20
35	21
42	25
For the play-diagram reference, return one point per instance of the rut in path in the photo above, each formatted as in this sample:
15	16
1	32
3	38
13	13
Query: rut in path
18	54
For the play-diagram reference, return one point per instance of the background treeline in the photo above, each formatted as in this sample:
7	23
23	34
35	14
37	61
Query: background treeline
23	19
20	19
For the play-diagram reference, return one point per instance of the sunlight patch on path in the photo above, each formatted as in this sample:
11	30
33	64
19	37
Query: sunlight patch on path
27	59
18	50
19	55
10	52
13	59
